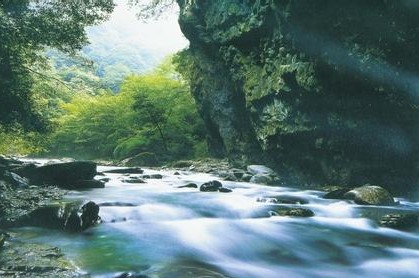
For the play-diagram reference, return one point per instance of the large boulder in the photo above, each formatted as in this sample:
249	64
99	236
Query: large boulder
370	195
60	174
68	216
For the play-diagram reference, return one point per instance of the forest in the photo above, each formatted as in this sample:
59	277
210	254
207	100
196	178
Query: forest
64	98
280	139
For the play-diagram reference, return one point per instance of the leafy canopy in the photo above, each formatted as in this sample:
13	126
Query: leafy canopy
26	28
154	116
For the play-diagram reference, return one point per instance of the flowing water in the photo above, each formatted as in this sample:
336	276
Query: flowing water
157	229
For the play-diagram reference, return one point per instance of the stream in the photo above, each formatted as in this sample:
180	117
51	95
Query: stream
156	229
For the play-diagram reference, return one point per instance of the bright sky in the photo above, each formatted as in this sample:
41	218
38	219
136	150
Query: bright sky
163	36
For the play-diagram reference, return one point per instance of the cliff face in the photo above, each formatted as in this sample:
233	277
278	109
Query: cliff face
325	91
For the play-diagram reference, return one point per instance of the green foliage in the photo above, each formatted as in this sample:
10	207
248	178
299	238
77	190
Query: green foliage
26	28
149	9
90	128
153	115
15	141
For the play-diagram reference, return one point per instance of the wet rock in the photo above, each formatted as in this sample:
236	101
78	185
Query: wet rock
227	176
232	174
89	215
291	200
399	221
261	179
176	174
8	161
133	180
84	184
260	170
238	173
9	164
336	194
71	217
60	174
20	259
268	200
152	176
105	179
15	180
370	195
189	185
246	177
212	186
224	190
295	212
15	204
132	170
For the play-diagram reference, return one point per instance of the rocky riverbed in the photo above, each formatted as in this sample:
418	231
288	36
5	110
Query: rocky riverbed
195	218
32	195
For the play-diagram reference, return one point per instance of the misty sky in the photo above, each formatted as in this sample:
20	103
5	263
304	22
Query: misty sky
162	36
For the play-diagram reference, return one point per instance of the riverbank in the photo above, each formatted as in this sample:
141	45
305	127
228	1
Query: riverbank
25	204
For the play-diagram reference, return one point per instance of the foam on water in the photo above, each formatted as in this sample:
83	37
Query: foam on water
152	227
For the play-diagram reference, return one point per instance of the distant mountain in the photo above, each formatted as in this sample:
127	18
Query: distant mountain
124	45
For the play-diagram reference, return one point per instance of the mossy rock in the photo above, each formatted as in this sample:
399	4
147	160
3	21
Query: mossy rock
295	212
20	259
370	195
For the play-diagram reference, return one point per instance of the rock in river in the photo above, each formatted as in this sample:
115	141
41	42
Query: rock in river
60	174
189	185
211	186
83	184
337	194
132	170
261	179
399	221
70	216
260	170
370	195
224	190
295	212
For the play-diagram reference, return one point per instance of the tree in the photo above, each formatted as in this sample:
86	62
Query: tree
26	28
154	116
149	9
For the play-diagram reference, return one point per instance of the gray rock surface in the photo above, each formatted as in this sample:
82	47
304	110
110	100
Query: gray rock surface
370	195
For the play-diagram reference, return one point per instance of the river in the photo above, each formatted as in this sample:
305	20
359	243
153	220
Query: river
157	229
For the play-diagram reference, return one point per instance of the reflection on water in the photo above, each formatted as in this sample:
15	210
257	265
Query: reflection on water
159	230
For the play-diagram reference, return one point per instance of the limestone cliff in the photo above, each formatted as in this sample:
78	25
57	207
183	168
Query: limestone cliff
325	91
